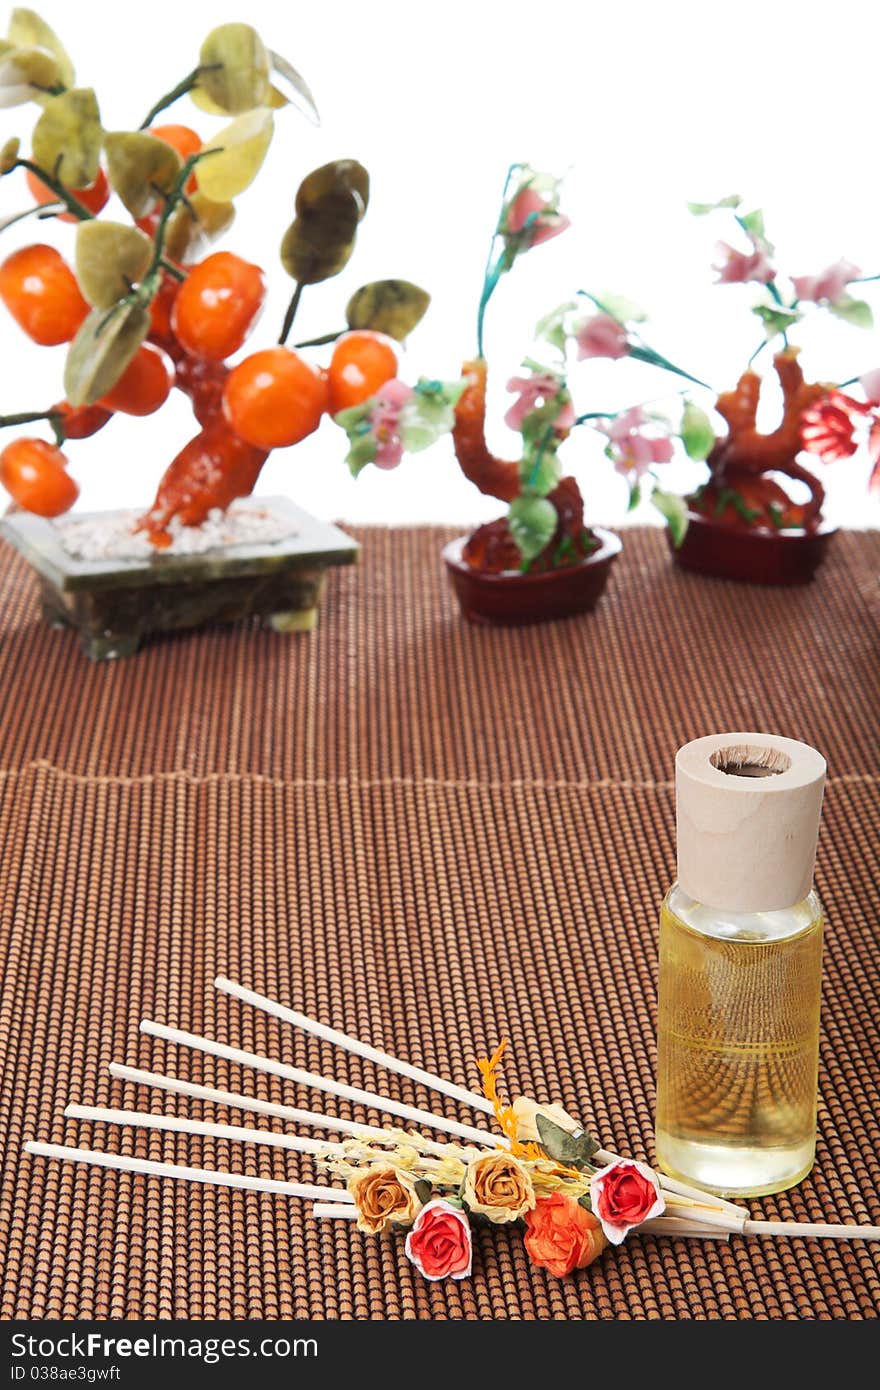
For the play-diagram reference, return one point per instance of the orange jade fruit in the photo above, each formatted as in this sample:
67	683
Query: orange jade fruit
182	139
35	475
144	385
217	305
275	398
94	198
81	421
40	291
362	362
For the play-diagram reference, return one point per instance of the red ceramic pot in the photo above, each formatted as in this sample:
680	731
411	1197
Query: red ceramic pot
754	557
512	599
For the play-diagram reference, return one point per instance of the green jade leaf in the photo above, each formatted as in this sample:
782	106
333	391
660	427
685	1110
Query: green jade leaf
101	351
697	434
110	257
138	165
732	200
429	413
68	136
235	69
28	30
674	511
532	522
236	155
302	97
394	307
854	311
552	327
752	224
776	318
622	309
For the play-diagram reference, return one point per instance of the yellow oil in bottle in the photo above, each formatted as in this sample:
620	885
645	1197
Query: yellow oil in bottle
738	1038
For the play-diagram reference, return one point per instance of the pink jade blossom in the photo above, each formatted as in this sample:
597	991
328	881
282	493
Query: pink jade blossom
736	267
829	285
633	451
547	221
539	387
385	422
601	336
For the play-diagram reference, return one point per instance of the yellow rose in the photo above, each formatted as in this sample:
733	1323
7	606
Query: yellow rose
384	1196
526	1111
498	1186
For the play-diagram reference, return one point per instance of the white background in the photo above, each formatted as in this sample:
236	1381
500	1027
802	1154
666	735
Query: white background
644	105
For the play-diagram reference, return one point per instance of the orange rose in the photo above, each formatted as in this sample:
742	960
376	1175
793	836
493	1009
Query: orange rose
499	1187
561	1235
385	1197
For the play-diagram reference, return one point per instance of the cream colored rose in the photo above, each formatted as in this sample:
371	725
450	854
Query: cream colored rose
385	1196
526	1111
498	1186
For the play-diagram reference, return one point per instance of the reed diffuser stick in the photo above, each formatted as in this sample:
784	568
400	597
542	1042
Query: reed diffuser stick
153	1169
313	1119
429	1079
322	1083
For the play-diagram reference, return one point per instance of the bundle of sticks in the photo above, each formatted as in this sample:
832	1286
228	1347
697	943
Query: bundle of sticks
689	1211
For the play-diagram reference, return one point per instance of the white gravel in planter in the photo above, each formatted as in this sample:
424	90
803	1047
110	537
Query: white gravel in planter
112	536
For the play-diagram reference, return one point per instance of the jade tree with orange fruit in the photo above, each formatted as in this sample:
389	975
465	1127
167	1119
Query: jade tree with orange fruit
145	305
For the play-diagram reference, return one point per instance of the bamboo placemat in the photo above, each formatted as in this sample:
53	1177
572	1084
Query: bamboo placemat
431	836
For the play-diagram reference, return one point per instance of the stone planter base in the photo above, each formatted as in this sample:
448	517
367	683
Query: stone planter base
116	604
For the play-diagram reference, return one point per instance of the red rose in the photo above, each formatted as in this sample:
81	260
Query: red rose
624	1195
561	1235
439	1244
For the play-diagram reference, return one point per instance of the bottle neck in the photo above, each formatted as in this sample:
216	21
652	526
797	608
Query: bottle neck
722	924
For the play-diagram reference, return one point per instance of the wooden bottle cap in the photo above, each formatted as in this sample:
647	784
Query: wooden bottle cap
747	817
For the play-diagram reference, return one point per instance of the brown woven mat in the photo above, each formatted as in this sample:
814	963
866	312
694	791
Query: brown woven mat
431	836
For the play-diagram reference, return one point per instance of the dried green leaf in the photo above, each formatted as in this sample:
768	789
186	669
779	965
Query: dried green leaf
68	136
194	225
236	68
574	1150
110	257
27	29
240	150
101	351
302	97
139	165
388	306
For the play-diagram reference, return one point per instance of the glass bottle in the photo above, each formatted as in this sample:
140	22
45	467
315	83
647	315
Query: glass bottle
740	968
